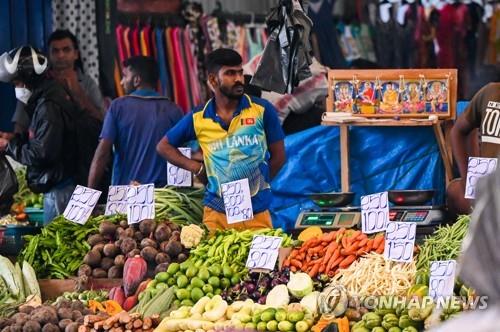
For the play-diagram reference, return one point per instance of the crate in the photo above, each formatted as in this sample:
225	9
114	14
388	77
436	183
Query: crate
35	216
13	241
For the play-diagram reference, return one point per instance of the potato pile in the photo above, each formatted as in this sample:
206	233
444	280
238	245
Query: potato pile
158	243
65	316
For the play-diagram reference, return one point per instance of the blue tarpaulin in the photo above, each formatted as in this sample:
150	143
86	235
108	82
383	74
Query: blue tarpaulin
381	158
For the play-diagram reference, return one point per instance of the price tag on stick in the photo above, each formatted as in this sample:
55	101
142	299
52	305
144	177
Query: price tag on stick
237	201
477	168
399	241
117	200
374	212
82	203
442	278
177	176
264	252
141	203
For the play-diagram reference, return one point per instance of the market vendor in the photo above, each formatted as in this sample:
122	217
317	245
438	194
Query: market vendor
483	113
240	137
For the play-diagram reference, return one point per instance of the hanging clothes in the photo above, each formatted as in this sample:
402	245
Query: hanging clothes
385	38
80	18
162	63
406	23
493	48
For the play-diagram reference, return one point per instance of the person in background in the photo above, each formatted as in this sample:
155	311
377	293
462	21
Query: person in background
482	113
48	148
66	67
133	125
240	136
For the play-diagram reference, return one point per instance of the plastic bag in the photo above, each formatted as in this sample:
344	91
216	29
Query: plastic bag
8	184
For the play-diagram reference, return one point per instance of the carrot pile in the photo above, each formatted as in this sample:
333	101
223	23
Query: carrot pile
332	251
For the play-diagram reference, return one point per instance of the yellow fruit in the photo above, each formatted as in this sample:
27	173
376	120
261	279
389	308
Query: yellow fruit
310	233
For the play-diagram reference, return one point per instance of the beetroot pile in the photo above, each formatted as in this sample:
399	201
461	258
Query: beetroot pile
157	243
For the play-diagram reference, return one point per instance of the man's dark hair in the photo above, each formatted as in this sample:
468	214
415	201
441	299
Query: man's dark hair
61	34
222	57
145	67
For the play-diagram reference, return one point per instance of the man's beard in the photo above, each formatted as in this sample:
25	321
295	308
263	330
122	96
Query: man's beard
230	92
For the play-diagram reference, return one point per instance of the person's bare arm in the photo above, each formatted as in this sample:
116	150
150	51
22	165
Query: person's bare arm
277	151
459	134
175	157
101	158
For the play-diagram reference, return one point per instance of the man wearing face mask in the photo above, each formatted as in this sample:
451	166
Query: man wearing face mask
47	147
66	67
240	137
133	126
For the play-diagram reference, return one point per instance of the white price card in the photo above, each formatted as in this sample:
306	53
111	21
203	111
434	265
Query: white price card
374	212
400	241
117	200
177	176
237	201
81	204
264	252
141	203
477	168
442	278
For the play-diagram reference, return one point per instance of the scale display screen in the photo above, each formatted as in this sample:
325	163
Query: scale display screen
415	216
318	219
395	215
346	220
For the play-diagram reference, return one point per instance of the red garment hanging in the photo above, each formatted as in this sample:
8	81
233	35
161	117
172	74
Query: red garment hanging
192	69
181	86
119	42
450	35
126	42
135	41
171	63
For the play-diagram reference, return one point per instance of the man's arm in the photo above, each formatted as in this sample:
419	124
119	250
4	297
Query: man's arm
277	151
175	157
459	134
99	162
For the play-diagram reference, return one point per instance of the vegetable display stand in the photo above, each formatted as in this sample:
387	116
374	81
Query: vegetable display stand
53	288
391	98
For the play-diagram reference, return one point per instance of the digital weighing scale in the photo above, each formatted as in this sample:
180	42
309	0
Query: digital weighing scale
333	212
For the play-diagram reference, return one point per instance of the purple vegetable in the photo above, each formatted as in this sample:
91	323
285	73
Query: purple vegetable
256	295
250	288
262	300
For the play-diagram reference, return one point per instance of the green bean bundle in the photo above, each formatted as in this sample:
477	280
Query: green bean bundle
444	243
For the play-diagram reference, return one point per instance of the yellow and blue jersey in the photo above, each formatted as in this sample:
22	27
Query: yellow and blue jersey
235	151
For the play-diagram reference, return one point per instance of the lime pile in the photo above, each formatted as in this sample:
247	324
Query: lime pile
192	282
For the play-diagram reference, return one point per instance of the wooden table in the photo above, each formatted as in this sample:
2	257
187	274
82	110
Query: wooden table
344	141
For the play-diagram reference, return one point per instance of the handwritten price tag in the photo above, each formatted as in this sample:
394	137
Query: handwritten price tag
477	168
442	278
399	241
117	200
177	176
237	201
374	212
82	203
263	252
141	203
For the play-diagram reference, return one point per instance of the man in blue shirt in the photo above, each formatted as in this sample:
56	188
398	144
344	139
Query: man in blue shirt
133	125
240	137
